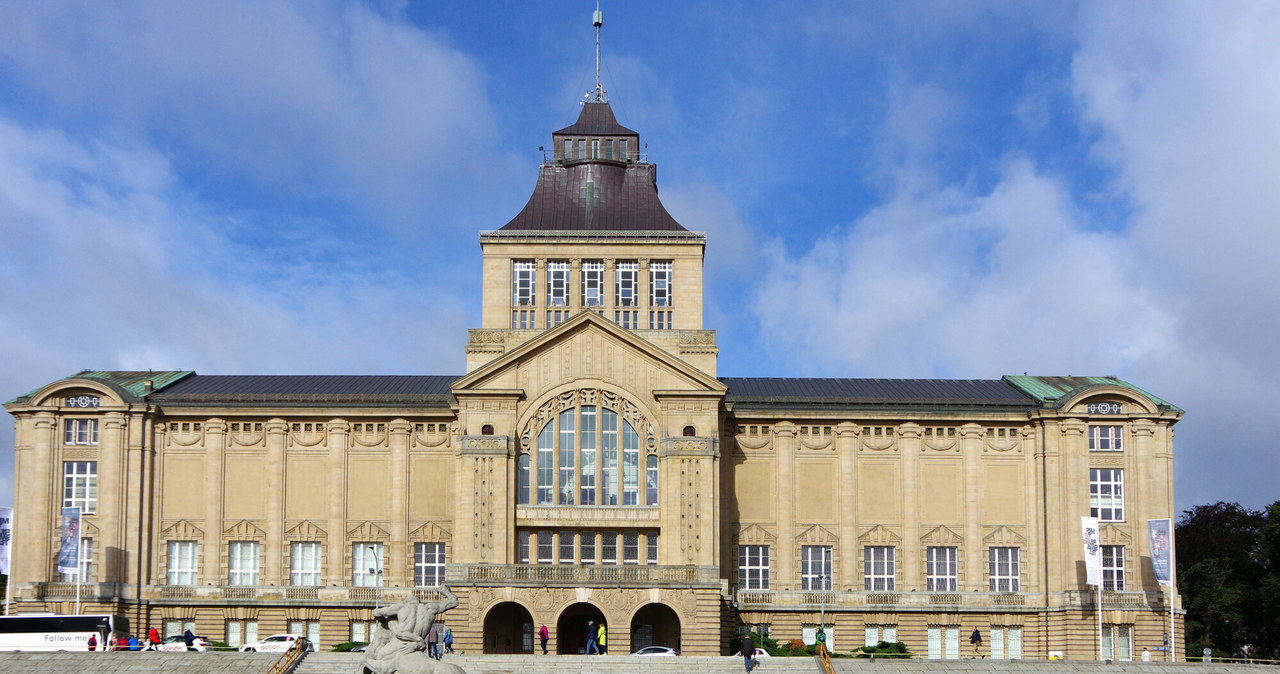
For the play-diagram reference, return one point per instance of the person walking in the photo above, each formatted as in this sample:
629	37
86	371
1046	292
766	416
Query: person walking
543	635
448	640
433	642
976	639
591	638
154	635
189	639
93	642
602	639
748	650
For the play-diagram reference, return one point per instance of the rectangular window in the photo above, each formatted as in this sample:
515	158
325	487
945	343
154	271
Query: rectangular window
651	480
627	318
241	632
815	567
1113	567
623	152
1004	570
568	452
181	563
609	458
595	148
80	431
631	548
1106	494
588	452
546	463
874	634
86	563
608	148
80	486
566	547
753	567
558	283
944	643
176	627
941	570
582	148
660	319
361	630
1117	642
630	466
809	635
587	547
546	548
556	317
366	564
522	472
523	319
1006	643
242	563
660	284
592	283
428	564
1106	438
878	569
522	547
609	547
304	563
310	628
651	551
523	276
626	282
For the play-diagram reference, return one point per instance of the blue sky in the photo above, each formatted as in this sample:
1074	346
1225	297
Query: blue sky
907	189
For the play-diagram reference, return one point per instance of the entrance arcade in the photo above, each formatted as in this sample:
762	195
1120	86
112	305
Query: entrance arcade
655	625
508	628
571	630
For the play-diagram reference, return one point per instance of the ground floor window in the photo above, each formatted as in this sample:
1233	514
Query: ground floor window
944	643
361	630
178	626
1006	643
309	628
1117	642
241	632
874	634
809	635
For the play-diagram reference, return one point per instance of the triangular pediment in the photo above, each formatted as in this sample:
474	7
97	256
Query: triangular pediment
587	346
430	533
942	536
1111	534
244	530
367	531
817	535
754	534
306	531
879	535
1004	536
182	530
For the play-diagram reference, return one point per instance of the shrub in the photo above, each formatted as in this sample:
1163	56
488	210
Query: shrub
347	646
884	649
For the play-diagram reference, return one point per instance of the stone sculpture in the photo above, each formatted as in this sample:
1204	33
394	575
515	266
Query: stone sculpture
399	644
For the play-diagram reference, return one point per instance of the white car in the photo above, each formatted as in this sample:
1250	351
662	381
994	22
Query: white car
656	650
176	644
276	643
760	653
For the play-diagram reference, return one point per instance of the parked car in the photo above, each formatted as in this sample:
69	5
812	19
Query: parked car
277	643
176	644
657	650
760	653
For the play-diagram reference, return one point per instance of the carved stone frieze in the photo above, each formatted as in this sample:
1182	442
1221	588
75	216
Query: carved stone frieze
477	337
586	396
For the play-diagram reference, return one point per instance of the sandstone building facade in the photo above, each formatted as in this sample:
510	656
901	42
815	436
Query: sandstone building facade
591	464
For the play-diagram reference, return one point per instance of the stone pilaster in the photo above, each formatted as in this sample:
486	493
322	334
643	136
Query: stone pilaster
336	485
273	551
485	508
395	562
112	495
214	493
784	443
847	510
975	551
909	447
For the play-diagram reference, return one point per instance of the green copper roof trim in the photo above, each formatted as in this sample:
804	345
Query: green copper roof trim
1051	391
131	382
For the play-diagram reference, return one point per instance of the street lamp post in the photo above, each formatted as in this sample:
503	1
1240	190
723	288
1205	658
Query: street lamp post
822	613
376	572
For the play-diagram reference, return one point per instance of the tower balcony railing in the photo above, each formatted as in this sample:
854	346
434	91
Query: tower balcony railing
847	599
288	594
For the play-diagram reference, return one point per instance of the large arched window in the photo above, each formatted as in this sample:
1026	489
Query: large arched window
586	455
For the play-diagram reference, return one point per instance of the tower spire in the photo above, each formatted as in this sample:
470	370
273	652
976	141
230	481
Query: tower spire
599	95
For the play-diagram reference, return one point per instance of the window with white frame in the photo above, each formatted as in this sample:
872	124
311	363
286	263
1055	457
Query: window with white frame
181	562
241	632
367	564
523	277
1004	569
524	478
311	628
1113	567
1117	642
941	568
660	284
587	453
80	431
651	550
558	283
1106	494
1106	438
86	563
80	485
809	635
651	480
815	567
304	563
362	630
874	634
626	283
592	283
242	563
878	569
623	152
523	543
175	627
753	567
428	564
1006	643
944	642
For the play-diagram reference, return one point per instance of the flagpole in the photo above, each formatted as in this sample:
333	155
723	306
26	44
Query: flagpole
79	551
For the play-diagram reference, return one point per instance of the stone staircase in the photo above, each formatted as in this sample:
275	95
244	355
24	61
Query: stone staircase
345	663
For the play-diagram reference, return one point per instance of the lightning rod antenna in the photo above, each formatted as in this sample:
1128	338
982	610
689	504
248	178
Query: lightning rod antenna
597	20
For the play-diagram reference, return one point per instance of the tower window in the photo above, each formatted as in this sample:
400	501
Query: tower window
523	275
592	283
558	283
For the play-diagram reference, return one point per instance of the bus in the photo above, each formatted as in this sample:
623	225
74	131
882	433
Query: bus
52	632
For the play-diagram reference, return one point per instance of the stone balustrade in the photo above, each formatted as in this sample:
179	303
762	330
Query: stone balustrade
763	600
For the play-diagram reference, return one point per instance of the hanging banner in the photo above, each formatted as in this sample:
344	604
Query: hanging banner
1092	550
69	553
1160	532
6	536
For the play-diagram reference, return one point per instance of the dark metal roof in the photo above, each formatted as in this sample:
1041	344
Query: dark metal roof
596	119
768	391
595	196
360	390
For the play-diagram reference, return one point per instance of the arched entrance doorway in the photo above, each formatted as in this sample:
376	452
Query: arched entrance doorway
508	628
571	630
655	625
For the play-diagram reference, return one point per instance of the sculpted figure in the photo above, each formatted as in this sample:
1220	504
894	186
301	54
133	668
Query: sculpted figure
399	641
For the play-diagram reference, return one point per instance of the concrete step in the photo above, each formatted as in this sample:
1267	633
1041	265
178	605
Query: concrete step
346	663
